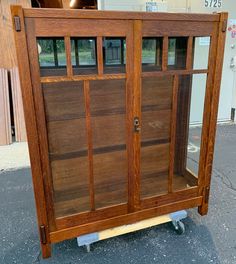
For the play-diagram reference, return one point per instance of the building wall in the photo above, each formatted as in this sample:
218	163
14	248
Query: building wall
228	87
8	53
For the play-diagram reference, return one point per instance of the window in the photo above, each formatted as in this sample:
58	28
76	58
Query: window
52	57
177	53
201	52
151	54
114	55
83	55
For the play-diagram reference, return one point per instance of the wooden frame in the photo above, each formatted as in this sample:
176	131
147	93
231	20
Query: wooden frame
34	23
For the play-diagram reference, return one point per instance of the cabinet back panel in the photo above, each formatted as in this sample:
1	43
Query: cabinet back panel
108	123
156	105
63	100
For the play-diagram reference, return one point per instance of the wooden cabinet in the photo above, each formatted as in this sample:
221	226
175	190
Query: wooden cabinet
109	99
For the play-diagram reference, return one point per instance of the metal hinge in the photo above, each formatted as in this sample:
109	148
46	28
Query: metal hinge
207	194
17	23
224	25
43	234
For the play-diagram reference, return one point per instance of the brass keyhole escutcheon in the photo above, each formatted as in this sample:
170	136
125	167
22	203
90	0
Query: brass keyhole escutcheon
137	127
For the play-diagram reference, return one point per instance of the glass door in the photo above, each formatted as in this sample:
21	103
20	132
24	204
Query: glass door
83	80
172	104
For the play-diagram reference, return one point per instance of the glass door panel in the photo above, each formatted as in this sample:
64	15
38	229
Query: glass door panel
155	134
108	119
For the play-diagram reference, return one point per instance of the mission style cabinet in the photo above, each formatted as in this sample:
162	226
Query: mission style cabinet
109	101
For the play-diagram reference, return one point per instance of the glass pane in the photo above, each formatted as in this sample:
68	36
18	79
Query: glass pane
114	52
172	52
46	53
151	54
189	130
149	51
108	117
177	53
60	48
83	55
65	114
52	56
201	52
155	134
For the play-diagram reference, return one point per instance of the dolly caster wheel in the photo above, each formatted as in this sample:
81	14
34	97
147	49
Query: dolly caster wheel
179	227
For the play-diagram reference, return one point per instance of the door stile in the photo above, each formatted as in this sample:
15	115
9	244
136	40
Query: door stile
31	126
206	114
90	144
129	115
134	186
173	132
40	119
213	109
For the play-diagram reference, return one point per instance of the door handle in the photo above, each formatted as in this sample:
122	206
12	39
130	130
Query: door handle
137	127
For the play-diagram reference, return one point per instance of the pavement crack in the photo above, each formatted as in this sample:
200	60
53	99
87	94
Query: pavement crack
224	179
37	259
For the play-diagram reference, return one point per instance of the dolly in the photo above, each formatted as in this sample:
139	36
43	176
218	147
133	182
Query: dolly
174	218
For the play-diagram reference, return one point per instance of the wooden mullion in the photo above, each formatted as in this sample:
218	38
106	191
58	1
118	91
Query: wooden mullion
100	55
173	72
165	47
90	144
68	56
53	79
173	132
189	59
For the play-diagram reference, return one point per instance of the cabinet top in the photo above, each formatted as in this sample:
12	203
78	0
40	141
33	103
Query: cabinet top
120	15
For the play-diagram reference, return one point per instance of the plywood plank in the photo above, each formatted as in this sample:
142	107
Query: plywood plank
5	121
19	119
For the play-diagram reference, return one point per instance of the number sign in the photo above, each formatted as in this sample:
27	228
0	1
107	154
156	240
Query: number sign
213	3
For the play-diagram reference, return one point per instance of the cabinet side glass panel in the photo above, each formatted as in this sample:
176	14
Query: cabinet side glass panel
191	98
201	52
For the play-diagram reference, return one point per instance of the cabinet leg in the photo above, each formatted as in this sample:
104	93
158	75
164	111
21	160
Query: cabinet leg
46	250
203	209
